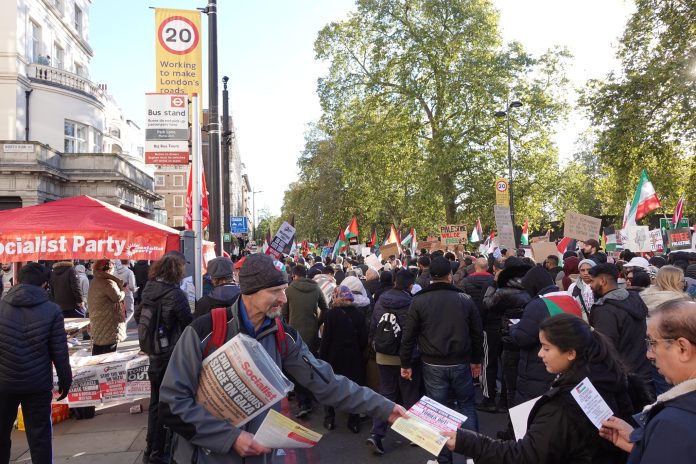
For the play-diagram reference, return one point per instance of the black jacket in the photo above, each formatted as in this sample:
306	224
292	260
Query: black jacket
32	339
343	341
64	288
621	315
445	323
371	286
394	301
221	296
176	312
557	432
508	300
475	285
423	278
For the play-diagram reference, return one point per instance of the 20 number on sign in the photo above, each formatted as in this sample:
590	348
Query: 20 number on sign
178	35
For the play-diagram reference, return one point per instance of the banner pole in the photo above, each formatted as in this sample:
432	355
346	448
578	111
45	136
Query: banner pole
196	149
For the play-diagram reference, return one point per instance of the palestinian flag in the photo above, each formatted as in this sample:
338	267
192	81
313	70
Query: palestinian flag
678	212
563	245
609	239
373	239
644	200
340	244
561	302
267	244
524	240
477	233
351	231
410	241
489	245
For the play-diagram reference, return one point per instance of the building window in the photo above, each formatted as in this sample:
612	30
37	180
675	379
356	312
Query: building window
178	181
178	221
34	42
58	56
159	181
78	19
80	70
141	152
58	5
115	133
98	142
178	201
75	137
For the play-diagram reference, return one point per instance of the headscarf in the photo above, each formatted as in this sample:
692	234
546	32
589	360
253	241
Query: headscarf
570	266
360	297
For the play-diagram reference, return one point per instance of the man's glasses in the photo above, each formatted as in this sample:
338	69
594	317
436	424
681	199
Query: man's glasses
650	344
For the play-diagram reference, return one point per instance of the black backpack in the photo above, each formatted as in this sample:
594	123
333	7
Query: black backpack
387	338
152	333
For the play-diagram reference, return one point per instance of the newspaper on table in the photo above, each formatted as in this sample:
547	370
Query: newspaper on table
427	419
239	381
278	431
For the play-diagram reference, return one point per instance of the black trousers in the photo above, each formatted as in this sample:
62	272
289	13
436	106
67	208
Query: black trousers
494	344
156	434
36	409
103	349
401	391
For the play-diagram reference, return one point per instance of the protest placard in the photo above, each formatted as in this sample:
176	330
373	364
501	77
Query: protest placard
637	238
541	250
505	228
137	380
84	390
519	416
424	245
239	381
427	419
656	241
591	402
112	381
374	262
391	249
581	227
679	239
282	239
453	234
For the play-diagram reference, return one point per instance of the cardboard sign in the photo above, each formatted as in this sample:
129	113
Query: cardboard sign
389	250
539	238
541	250
656	242
426	245
374	262
453	234
679	239
637	238
435	246
506	230
581	227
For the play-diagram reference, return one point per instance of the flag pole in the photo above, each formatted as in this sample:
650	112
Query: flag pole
197	207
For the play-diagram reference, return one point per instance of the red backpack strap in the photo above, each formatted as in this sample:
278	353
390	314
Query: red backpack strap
219	334
281	339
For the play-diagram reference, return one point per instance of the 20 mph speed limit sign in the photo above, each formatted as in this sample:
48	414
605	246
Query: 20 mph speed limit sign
501	192
178	35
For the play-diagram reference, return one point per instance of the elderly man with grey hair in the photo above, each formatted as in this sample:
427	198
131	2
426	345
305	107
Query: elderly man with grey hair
665	432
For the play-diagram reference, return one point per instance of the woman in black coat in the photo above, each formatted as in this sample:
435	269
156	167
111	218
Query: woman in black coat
343	341
558	431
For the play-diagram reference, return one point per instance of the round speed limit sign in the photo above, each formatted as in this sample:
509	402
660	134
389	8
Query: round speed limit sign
501	185
178	35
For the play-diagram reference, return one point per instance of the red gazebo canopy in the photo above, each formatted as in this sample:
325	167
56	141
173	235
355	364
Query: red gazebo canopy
81	228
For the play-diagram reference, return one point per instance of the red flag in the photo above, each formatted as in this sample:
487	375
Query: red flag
351	231
678	211
205	215
562	246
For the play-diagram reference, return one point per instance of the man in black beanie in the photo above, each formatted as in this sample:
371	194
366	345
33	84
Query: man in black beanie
256	314
33	339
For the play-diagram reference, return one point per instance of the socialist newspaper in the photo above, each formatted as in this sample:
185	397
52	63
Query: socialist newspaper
240	380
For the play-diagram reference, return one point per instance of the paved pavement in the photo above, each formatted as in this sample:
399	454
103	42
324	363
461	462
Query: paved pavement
115	436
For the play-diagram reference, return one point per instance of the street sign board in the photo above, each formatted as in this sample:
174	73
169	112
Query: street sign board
502	195
227	237
666	224
239	225
166	129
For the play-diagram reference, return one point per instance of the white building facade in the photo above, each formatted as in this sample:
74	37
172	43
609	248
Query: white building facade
48	101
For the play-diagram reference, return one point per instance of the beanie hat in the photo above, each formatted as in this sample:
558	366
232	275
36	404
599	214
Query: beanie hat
33	274
259	272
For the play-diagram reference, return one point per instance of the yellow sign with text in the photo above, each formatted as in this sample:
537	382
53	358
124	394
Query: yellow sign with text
502	192
178	52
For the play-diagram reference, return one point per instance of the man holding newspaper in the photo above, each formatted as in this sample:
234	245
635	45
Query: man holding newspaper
201	436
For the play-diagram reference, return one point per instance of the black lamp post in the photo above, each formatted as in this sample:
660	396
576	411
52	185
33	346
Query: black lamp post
506	115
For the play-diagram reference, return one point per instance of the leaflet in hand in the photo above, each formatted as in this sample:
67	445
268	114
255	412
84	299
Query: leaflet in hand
427	419
591	402
277	431
240	380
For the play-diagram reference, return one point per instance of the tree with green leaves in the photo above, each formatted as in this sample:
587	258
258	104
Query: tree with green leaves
643	117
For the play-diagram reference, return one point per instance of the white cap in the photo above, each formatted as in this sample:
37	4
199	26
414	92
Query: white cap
638	262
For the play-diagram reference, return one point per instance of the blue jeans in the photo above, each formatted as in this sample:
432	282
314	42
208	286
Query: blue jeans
443	382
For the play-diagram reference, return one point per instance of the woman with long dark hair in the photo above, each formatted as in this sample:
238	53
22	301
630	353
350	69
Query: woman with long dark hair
165	276
558	430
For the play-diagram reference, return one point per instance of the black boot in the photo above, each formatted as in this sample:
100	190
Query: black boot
354	423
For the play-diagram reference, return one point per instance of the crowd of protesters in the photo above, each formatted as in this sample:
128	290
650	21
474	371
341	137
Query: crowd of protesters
514	328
